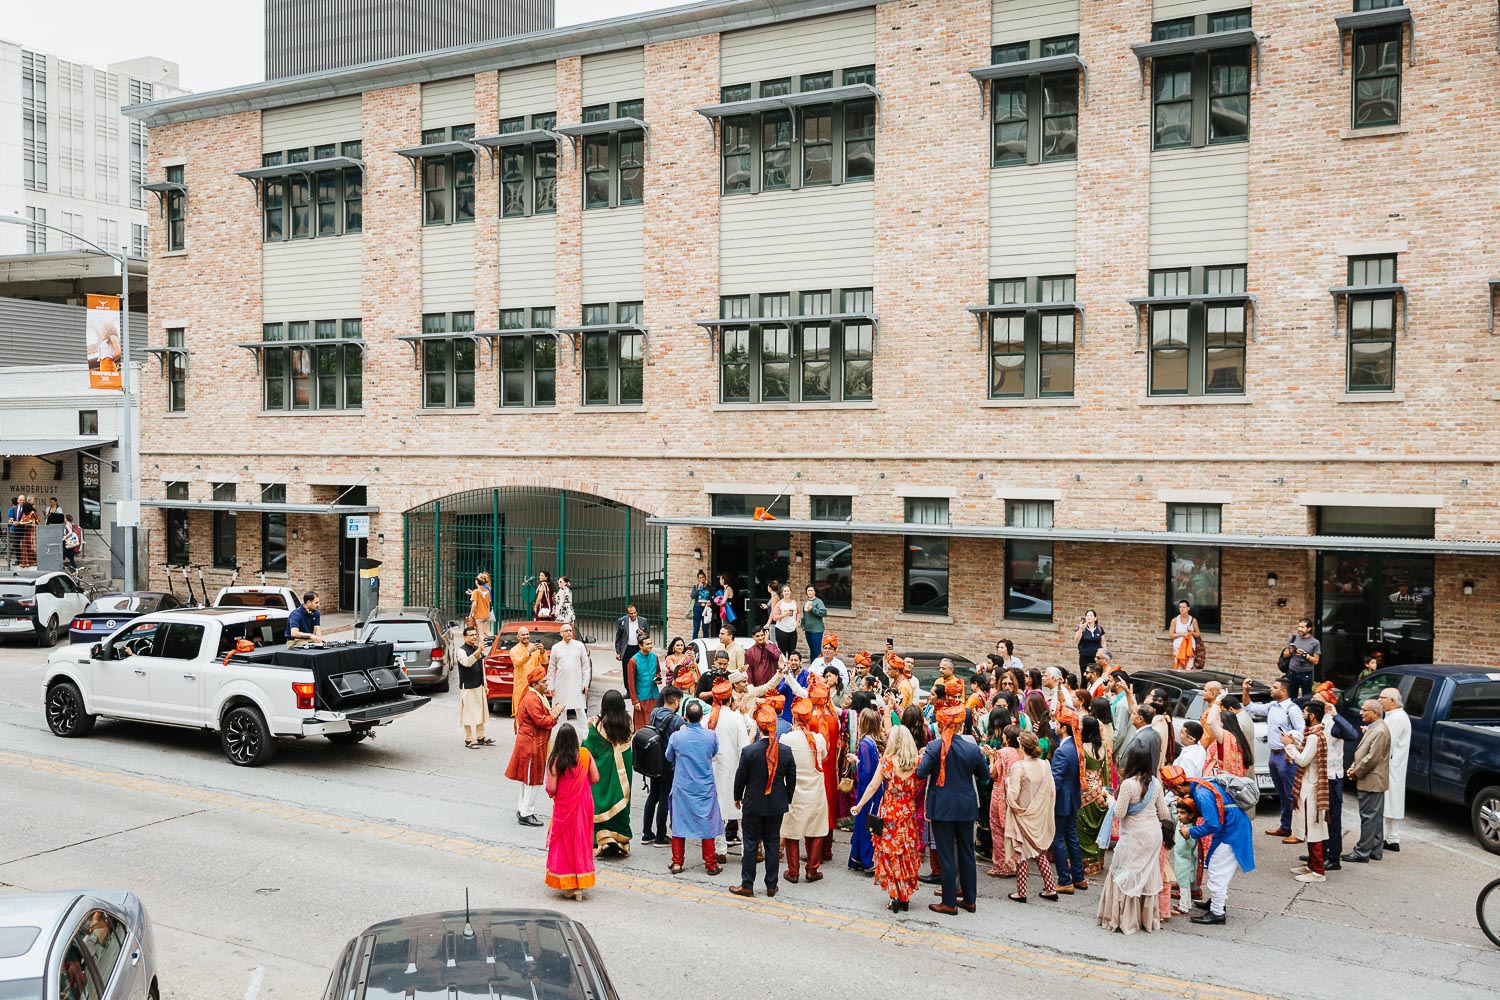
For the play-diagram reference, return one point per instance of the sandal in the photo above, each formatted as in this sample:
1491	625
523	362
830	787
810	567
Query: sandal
486	742
675	869
470	744
1015	898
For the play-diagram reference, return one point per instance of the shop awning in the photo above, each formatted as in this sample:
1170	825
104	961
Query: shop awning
251	507
37	447
1439	546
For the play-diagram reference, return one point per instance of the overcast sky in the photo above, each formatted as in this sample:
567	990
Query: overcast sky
218	43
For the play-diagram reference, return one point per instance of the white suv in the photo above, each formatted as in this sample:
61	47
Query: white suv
39	606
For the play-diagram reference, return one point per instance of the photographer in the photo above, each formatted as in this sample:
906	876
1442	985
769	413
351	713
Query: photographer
1301	655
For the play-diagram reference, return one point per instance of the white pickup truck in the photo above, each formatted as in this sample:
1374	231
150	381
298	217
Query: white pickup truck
284	598
225	670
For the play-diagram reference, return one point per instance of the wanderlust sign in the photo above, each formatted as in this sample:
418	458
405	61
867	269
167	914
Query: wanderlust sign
104	341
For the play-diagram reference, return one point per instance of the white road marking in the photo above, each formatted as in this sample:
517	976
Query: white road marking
253	990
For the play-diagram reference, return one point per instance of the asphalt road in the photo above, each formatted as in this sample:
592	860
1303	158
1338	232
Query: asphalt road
256	878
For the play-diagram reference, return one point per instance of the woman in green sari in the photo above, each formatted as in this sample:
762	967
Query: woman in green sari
1091	815
609	744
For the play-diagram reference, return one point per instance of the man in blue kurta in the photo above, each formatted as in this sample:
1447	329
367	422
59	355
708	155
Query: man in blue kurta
695	801
1232	847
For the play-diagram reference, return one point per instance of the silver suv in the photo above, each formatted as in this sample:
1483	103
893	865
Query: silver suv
418	634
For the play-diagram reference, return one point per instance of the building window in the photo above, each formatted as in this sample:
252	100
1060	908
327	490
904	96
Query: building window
448	179
528	358
1034	118
88	423
1028	563
176	371
177	527
613	360
528	173
176	212
1198	347
925	566
140	92
299	206
1377	72
273	531
614	163
289	373
36	234
138	244
1201	98
804	359
1032	347
226	529
34	120
1372	326
833	553
448	362
1193	570
808	145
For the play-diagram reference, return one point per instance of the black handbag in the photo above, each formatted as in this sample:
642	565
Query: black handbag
875	825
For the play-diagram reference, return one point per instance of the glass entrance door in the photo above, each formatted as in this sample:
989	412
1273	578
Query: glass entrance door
1373	602
751	560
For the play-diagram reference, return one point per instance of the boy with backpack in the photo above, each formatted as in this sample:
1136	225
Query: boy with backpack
650	752
1217	802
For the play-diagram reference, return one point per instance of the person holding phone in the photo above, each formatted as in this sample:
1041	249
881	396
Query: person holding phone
1088	637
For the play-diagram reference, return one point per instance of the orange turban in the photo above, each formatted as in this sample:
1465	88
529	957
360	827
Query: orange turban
802	713
831	639
954	688
1173	776
817	691
536	673
1067	717
1327	693
862	659
722	690
949	719
765	718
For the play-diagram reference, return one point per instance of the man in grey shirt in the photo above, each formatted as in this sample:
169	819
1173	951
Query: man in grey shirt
1303	652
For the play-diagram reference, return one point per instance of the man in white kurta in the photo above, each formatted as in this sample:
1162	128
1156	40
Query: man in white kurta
733	729
807	819
569	671
1399	723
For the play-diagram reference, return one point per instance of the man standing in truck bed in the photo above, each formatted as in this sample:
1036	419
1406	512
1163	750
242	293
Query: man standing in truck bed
304	626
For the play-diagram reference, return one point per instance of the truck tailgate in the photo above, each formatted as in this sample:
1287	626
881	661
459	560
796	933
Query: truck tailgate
386	709
347	676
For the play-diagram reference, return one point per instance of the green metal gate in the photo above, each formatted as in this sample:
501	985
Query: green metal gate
604	548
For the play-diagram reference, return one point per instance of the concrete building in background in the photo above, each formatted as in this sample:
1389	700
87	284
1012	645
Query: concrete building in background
1004	309
308	36
68	157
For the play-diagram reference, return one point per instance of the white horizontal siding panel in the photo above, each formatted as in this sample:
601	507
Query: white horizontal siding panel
1033	219
1171	10
310	124
528	262
448	102
614	76
793	240
838	41
1025	20
612	255
312	279
528	90
447	268
1200	206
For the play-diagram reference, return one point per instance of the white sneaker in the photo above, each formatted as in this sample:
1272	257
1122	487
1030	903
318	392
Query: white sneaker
1301	870
1312	877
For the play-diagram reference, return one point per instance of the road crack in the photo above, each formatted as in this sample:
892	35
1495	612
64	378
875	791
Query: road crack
102	836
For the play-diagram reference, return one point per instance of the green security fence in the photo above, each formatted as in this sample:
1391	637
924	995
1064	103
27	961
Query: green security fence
604	548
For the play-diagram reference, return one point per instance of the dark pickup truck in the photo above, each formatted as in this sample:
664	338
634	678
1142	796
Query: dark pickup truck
1455	736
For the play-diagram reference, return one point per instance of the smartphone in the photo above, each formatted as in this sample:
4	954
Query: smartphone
890	641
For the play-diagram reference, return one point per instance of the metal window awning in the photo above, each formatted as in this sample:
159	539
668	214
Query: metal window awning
1211	42
1030	67
163	188
1398	290
1377	19
504	140
607	127
256	347
1444	546
416	154
1144	304
786	102
252	507
575	332
1066	305
307	168
713	325
39	447
416	340
163	354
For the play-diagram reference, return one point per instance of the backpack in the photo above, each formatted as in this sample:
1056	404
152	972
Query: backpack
1244	792
650	752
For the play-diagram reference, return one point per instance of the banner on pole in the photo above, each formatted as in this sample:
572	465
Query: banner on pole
104	341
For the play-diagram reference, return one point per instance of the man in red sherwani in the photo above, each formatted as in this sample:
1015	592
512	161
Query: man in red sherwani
534	719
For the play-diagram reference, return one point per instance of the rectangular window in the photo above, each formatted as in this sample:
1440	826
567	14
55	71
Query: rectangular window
1377	76
177	527
1201	98
312	377
88	423
137	241
448	363
226	529
1028	562
614	164
1198	348
925	563
1193	571
807	361
273	531
613	359
34	120
36	236
806	146
833	553
1372	326
176	212
1032	349
354	189
176	372
528	361
448	180
1034	119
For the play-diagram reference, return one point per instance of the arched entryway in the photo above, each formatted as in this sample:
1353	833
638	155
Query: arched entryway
609	554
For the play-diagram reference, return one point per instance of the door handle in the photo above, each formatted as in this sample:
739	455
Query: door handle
189	677
139	672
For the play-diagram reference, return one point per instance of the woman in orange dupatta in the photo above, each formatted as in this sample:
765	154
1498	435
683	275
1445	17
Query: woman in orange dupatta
571	775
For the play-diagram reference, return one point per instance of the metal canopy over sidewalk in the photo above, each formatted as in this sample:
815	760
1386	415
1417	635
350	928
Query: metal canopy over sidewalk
249	506
37	447
1440	546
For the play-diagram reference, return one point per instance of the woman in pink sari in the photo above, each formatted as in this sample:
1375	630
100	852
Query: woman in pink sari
571	775
1001	761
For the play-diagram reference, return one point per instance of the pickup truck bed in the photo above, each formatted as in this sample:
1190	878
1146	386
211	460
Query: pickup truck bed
347	675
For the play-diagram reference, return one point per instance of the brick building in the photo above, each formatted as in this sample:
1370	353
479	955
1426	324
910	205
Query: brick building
1005	310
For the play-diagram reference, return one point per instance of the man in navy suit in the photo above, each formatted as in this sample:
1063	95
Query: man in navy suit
763	787
1066	854
955	765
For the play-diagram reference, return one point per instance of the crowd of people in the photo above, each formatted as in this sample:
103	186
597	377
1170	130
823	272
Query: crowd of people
22	519
1067	775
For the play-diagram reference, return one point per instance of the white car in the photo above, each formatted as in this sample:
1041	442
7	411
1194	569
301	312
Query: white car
39	606
704	649
282	598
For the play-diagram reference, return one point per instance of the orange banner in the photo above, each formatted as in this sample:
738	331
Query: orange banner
104	341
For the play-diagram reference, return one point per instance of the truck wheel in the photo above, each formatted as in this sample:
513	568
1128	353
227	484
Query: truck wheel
65	713
348	739
46	636
246	738
1484	813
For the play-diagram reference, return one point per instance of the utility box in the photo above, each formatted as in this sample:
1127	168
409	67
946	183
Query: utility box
367	591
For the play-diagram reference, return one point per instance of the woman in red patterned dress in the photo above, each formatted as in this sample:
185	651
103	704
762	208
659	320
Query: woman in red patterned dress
898	845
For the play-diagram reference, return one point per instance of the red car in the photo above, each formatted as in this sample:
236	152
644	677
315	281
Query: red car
499	677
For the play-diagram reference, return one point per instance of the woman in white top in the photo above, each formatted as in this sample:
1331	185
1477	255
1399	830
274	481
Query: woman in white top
1185	637
784	615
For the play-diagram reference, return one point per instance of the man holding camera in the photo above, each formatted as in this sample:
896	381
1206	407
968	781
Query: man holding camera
1301	654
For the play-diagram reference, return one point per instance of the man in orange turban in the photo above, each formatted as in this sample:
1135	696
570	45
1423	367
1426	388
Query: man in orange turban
808	817
955	766
825	721
1067	776
733	731
534	718
765	781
